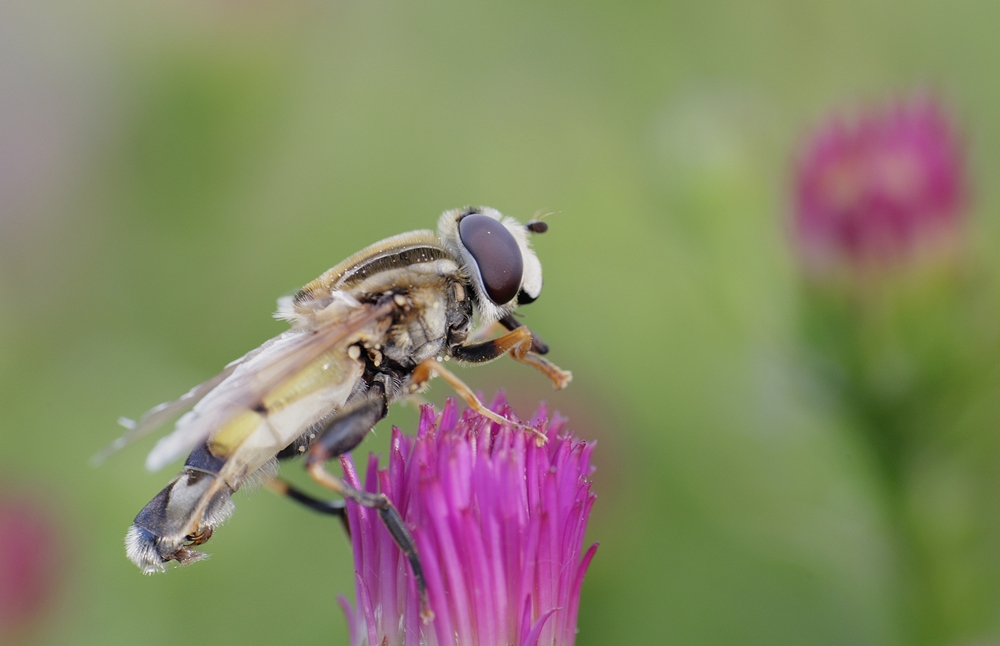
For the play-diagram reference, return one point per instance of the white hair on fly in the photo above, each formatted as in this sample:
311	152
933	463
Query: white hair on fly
267	471
142	551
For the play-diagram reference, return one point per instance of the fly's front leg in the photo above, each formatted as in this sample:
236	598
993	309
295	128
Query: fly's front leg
342	434
426	369
518	342
537	345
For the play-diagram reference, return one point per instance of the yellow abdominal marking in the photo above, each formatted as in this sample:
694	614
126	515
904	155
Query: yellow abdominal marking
230	436
329	368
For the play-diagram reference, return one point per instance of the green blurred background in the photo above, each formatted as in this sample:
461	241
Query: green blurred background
167	169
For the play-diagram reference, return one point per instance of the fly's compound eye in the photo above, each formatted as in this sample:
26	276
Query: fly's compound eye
496	253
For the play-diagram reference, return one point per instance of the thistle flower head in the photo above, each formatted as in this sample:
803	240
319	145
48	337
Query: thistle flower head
498	522
28	564
873	193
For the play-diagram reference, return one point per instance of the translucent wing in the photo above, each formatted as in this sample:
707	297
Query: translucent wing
267	379
159	415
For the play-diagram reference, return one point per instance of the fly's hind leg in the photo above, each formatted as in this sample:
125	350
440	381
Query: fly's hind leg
343	433
281	487
330	507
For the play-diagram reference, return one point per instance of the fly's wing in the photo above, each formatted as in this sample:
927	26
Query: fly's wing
159	415
270	398
275	385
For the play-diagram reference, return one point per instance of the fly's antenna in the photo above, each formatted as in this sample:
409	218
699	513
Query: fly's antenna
535	224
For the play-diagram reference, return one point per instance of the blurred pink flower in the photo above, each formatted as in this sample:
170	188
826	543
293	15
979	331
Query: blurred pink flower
28	564
498	522
876	192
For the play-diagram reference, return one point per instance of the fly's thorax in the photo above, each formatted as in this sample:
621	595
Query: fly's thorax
460	312
433	321
389	263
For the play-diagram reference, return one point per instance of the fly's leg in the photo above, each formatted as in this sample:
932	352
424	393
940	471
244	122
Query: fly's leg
389	515
427	369
519	343
331	507
342	434
508	322
282	488
537	345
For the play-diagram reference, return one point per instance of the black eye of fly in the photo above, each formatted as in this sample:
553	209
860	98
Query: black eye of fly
496	253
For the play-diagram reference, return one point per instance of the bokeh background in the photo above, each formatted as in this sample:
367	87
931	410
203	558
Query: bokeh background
167	169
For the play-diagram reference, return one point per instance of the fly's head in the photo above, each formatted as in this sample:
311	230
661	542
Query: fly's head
496	257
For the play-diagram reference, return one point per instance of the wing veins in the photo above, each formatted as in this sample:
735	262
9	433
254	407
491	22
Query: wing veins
248	395
158	415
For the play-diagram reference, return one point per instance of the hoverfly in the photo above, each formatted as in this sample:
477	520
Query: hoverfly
369	331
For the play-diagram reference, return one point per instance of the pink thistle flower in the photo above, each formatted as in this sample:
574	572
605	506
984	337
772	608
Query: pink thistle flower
879	191
498	522
29	562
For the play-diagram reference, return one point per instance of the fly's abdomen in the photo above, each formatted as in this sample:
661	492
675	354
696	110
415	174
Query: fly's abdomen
163	532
